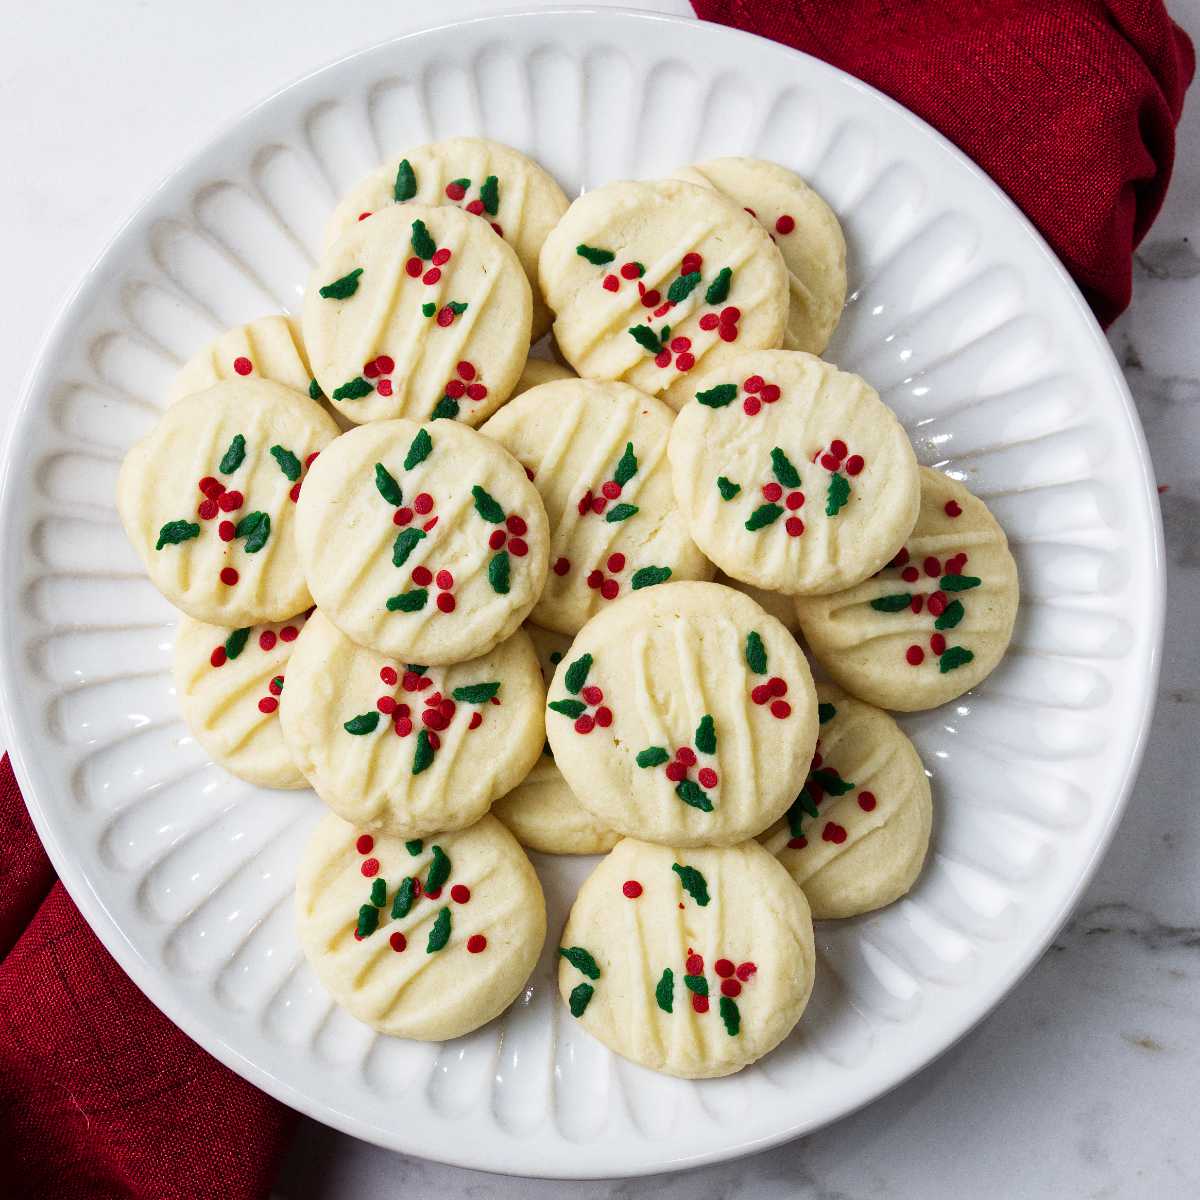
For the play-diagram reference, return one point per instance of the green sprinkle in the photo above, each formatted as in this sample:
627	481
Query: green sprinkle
174	532
233	457
439	869
652	756
235	643
498	573
646	338
727	487
693	882
419	449
837	494
580	996
405	187
402	902
341	289
405	543
577	673
897	602
428	308
289	464
953	613
489	193
595	256
756	653
568	708
806	803
719	396
412	601
355	389
620	512
581	960
423	753
366	722
718	290
825	713
463	183
314	390
763	515
956	656
423	245
378	892
476	693
368	921
486	506
458	307
830	781
439	935
416	668
706	735
255	527
784	471
691	793
414	847
697	984
683	287
649	576
664	991
387	486
731	1016
446	409
627	466
959	583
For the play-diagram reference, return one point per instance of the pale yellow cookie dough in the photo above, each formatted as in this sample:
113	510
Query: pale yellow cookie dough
425	542
541	811
781	606
805	230
523	207
413	962
692	962
225	553
229	682
684	715
418	312
932	623
683	258
857	836
597	451
792	475
538	371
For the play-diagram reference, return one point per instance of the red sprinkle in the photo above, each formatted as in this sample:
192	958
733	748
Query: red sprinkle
866	801
475	721
227	531
616	563
651	298
915	656
455	389
953	508
751	405
370	867
363	216
561	566
833	832
388	675
475	207
709	321
243	366
686	755
231	501
854	464
229	576
460	893
760	694
423	503
455	191
794	526
631	888
595	579
289	633
404	727
770	393
700	1003
604	717
476	943
777	686
515	524
937	643
402	516
730	315
211	487
772	492
917	603
745	970
611	489
497	538
795	500
723	967
753	384
444	580
933	568
662	358
386	705
593	695
398	941
707	777
268	704
609	589
611	283
730	987
445	317
838	448
785	224
206	510
694	964
585	724
218	657
797	843
414	267
519	547
676	772
422	576
781	710
365	844
441	257
727	333
937	603
829	462
910	574
691	262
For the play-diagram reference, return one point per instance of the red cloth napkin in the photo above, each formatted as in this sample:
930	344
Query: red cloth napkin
1069	105
100	1095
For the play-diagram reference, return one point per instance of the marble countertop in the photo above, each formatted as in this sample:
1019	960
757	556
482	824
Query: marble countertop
1082	1082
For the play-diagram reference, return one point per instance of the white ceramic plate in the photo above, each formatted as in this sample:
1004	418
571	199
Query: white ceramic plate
959	315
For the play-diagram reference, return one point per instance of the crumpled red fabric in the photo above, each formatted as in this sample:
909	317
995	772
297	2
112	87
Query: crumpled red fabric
101	1096
1069	105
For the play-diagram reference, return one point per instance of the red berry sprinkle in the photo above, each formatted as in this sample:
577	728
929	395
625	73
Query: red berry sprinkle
938	603
460	893
476	943
609	589
604	717
402	516
795	500
709	321
386	705
932	567
370	867
365	843
910	574
781	710
227	530
829	462
676	772
953	508
611	489
833	832
446	602
475	207
445	317
854	464
515	524
753	384
611	283
518	547
723	967
616	563
595	579
730	987
700	1003
866	801
651	298
229	576
631	889
770	393
751	405
561	566
937	643
404	726
838	448
785	224
289	633
422	576
772	492
686	755
423	503
206	510
585	723
218	657
760	694
455	191
444	580
231	501
691	262
475	721
398	942
414	267
388	675
915	656
745	970
455	389
694	964
707	777
211	487
243	366
662	358
497	538
794	526
593	695
441	257
777	686
268	704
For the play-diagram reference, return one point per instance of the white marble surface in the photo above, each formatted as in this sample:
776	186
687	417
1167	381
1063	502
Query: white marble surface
1082	1083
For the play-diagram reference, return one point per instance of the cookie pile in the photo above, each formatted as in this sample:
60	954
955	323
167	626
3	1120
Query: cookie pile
466	594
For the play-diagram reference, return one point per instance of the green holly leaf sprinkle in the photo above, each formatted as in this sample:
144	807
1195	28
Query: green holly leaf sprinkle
830	781
648	577
837	495
783	469
255	527
594	255
731	1016
763	515
439	935
235	643
805	803
795	818
718	290
579	999
706	735
476	693
368	920
568	708
439	869
414	847
314	390
405	187
422	753
959	583
646	338
378	892
955	657
419	449
174	532
825	713
897	602
341	289
664	991
428	308
354	389
402	902
652	756
581	960
498	573
683	287
577	673
627	466
458	307
489	193
366	722
620	512
727	487
697	984
234	456
405	543
486	506
691	793
423	245
463	183
756	653
289	464
412	601
953	613
693	882
388	488
446	409
719	396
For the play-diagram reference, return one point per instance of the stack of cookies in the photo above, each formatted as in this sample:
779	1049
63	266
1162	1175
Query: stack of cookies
482	601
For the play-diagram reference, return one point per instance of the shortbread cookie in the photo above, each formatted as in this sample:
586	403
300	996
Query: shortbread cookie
935	621
856	837
650	282
538	371
208	497
793	475
420	939
806	232
406	747
419	312
782	607
684	715
690	962
425	542
229	682
597	454
541	810
518	198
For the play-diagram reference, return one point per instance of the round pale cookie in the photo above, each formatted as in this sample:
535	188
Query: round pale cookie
694	963
538	371
792	475
542	811
517	197
805	230
207	498
420	312
229	682
684	715
935	621
425	542
652	281
424	940
597	454
857	835
411	748
782	607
